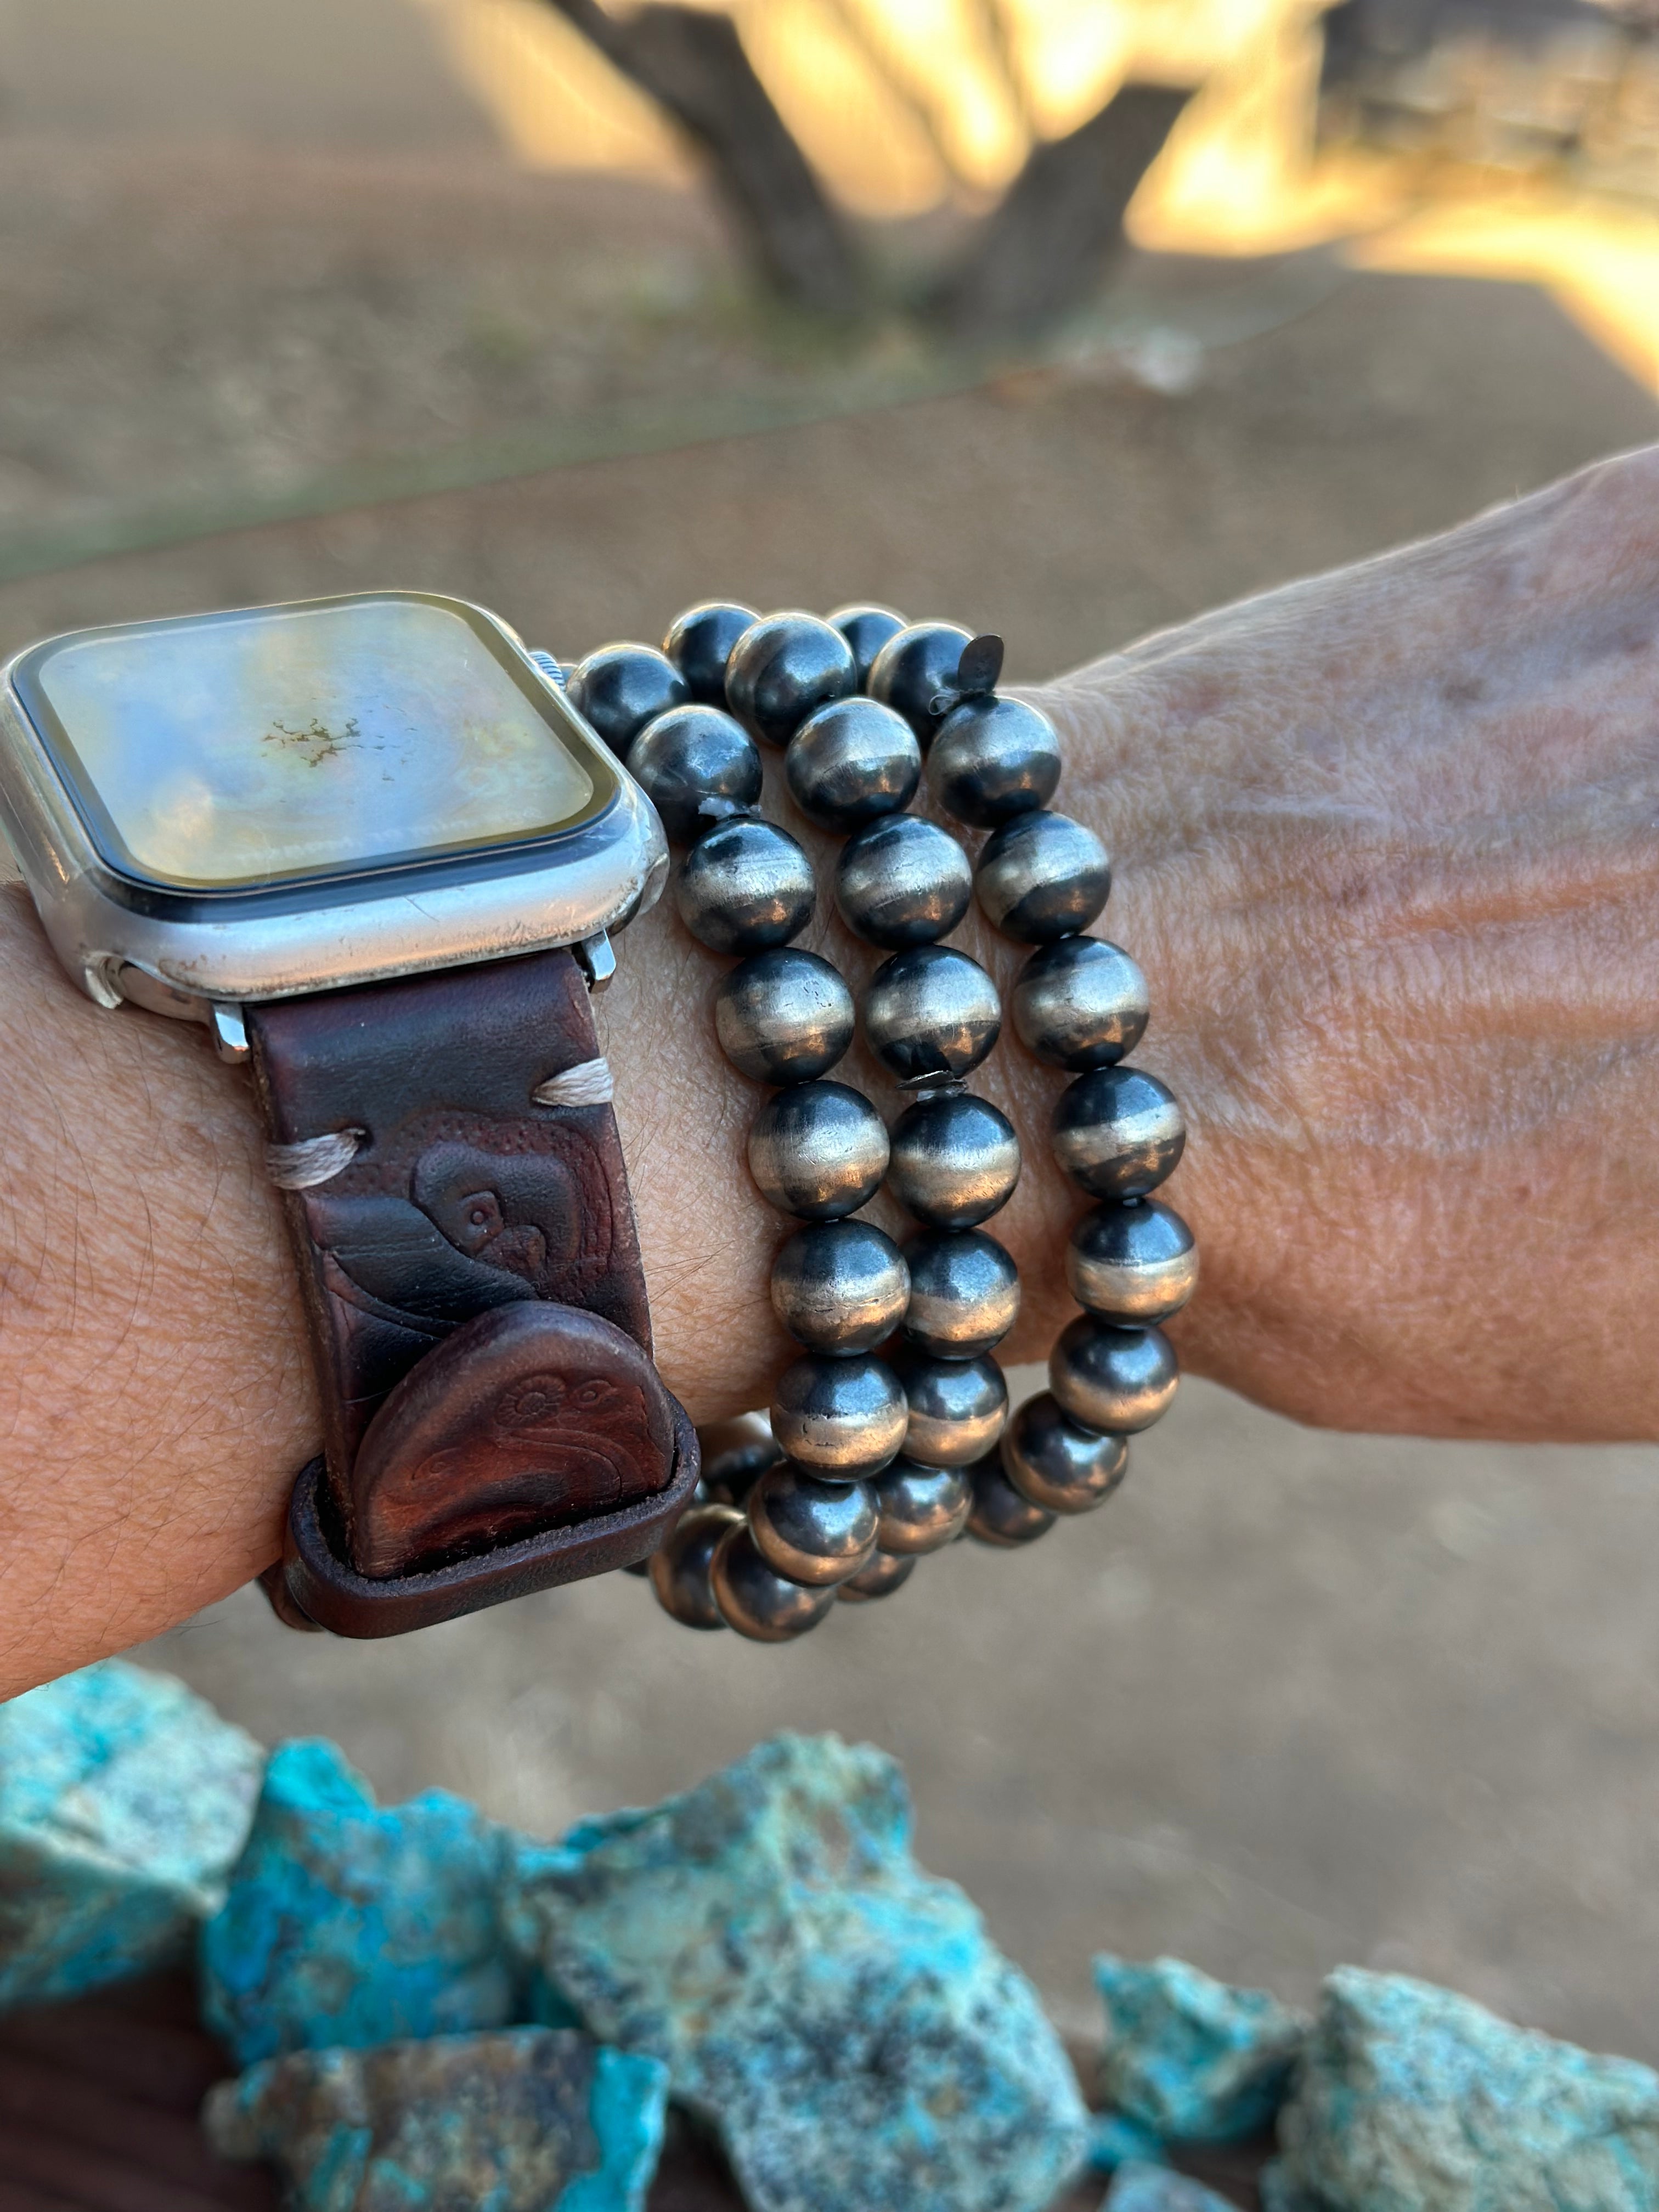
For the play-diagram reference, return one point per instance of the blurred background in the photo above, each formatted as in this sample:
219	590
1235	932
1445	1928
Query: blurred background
1066	318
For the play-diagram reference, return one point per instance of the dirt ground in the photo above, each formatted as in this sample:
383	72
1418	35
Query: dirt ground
1291	1699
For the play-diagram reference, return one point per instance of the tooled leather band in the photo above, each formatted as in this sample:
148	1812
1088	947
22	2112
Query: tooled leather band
491	1419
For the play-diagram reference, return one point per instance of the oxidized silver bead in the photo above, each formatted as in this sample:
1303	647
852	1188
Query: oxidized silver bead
964	1292
735	1455
1135	1261
808	1530
679	1567
840	1286
1120	1380
843	1418
1118	1132
1043	876
958	1407
902	881
700	642
1058	1465
955	1160
931	1013
921	1508
819	1151
618	689
1080	1003
745	887
689	757
867	629
880	1578
1000	1515
783	668
758	1603
784	1017
915	666
992	759
851	763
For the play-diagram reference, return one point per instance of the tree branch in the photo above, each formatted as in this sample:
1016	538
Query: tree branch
693	65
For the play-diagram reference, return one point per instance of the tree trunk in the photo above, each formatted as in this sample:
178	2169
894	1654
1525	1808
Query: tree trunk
693	65
1060	224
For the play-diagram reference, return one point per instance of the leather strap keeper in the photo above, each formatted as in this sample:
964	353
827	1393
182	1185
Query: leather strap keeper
492	1422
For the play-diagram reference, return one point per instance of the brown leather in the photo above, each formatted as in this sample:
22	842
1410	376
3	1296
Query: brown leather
529	1417
466	1200
327	1592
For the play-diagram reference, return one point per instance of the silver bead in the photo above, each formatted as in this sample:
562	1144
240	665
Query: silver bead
920	1509
851	763
844	1419
700	642
735	1455
884	1575
1136	1261
902	881
784	1017
867	629
1056	1464
954	1160
1043	876
808	1530
680	1566
1000	1515
783	668
1118	1131
931	1013
992	759
1080	1003
964	1292
756	1603
819	1151
958	1407
689	757
915	666
1117	1379
840	1286
745	887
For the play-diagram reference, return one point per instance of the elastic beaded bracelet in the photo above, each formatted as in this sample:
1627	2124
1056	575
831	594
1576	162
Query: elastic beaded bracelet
888	1436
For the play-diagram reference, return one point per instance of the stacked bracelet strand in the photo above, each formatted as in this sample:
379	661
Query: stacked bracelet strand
890	1434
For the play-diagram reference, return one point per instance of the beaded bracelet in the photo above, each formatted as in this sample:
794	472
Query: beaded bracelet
876	1457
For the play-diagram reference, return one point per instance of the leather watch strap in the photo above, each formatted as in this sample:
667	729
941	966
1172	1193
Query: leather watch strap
473	1286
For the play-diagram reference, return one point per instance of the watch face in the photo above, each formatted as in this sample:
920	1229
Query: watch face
286	745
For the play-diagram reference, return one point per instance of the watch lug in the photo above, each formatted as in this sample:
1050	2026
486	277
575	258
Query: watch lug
597	958
229	1036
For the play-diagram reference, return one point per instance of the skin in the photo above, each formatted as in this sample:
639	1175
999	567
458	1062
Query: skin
1386	846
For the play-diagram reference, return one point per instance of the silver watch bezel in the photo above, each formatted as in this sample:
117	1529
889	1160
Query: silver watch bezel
231	948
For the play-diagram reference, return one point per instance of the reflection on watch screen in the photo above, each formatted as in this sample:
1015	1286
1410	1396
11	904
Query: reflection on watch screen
289	742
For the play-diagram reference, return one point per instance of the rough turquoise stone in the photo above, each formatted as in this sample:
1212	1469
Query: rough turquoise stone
1142	2187
1410	2099
1191	2059
836	2013
523	2120
349	1924
1115	2141
124	1800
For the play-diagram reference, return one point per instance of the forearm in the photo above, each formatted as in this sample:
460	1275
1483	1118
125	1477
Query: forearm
1387	846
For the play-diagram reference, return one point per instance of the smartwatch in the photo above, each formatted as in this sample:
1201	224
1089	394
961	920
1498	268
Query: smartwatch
369	844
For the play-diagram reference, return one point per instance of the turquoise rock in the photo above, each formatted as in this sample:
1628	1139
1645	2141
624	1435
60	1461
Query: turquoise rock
349	1924
1115	2141
837	2014
523	2120
124	1801
1410	2099
1141	2188
1191	2059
